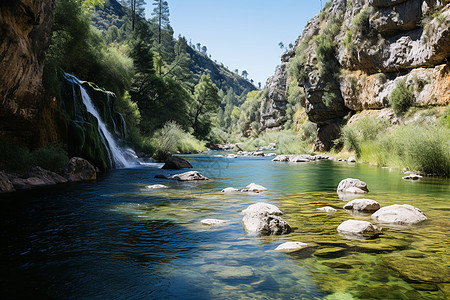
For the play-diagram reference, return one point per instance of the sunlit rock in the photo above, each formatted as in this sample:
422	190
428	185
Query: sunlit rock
365	205
189	176
351	185
79	169
412	177
399	214
156	186
229	190
355	229
253	187
264	218
281	158
212	222
290	247
328	209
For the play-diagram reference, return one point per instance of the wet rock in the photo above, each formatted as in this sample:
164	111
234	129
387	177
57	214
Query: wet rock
412	177
327	209
418	270
176	163
330	252
351	185
189	176
212	222
5	184
229	190
79	169
399	214
156	186
253	187
355	229
264	218
365	205
291	247
233	273
337	265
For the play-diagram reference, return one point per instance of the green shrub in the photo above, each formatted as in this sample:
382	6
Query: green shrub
402	98
445	117
287	142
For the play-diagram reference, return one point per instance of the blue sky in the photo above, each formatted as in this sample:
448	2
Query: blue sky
242	34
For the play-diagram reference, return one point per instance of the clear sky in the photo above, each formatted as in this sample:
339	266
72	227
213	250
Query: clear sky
242	34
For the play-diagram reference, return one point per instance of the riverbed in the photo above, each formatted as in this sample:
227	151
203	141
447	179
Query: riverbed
116	239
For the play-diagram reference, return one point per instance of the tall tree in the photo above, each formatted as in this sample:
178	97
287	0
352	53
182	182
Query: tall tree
137	9
161	16
206	103
244	74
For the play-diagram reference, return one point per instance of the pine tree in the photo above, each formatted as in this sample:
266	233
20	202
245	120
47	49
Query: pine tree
137	9
161	17
206	102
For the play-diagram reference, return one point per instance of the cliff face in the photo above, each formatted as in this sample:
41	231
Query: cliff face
352	55
25	30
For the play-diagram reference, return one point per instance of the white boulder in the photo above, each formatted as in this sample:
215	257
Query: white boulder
290	247
327	209
264	218
253	187
399	214
351	185
212	222
156	186
363	205
229	190
355	229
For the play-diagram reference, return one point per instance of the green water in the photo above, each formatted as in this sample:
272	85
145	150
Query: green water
140	243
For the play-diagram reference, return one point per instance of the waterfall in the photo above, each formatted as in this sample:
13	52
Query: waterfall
119	157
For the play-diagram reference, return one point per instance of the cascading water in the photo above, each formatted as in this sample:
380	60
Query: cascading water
119	157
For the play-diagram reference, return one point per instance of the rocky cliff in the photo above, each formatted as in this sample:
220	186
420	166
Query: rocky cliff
25	31
354	53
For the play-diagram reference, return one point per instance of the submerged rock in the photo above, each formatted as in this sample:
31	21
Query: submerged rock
264	218
212	222
327	209
176	163
253	187
156	186
79	169
365	205
189	176
351	185
291	247
355	229
229	190
399	214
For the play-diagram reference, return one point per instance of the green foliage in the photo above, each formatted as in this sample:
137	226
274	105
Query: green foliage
287	142
402	98
15	158
206	102
326	47
359	27
445	117
172	138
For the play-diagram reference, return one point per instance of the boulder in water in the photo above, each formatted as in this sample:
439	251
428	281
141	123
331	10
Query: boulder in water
291	247
253	187
399	214
351	185
79	169
156	186
355	229
264	218
366	205
412	177
212	222
230	190
328	209
189	176
176	163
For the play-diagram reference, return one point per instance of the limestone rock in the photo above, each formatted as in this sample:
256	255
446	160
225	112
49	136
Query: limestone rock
212	222
176	163
253	187
189	176
264	218
365	205
351	185
404	214
357	229
328	209
291	247
79	169
5	184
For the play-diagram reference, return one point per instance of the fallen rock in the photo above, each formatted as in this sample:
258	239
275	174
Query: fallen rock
351	185
189	176
327	209
412	177
229	190
363	205
212	222
176	163
5	184
291	247
79	169
253	187
355	229
399	214
264	218
156	186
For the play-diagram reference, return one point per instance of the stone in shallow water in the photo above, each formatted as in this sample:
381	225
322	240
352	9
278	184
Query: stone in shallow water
404	214
355	229
419	270
327	209
290	247
337	265
264	218
189	176
330	252
412	177
351	185
229	273
212	222
156	186
253	187
362	205
229	190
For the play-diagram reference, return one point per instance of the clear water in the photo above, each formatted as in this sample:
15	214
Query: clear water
115	239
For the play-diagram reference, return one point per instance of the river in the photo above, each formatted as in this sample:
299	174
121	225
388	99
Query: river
115	239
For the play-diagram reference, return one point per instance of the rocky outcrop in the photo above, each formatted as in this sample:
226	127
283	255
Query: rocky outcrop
25	28
176	163
264	219
36	177
79	169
